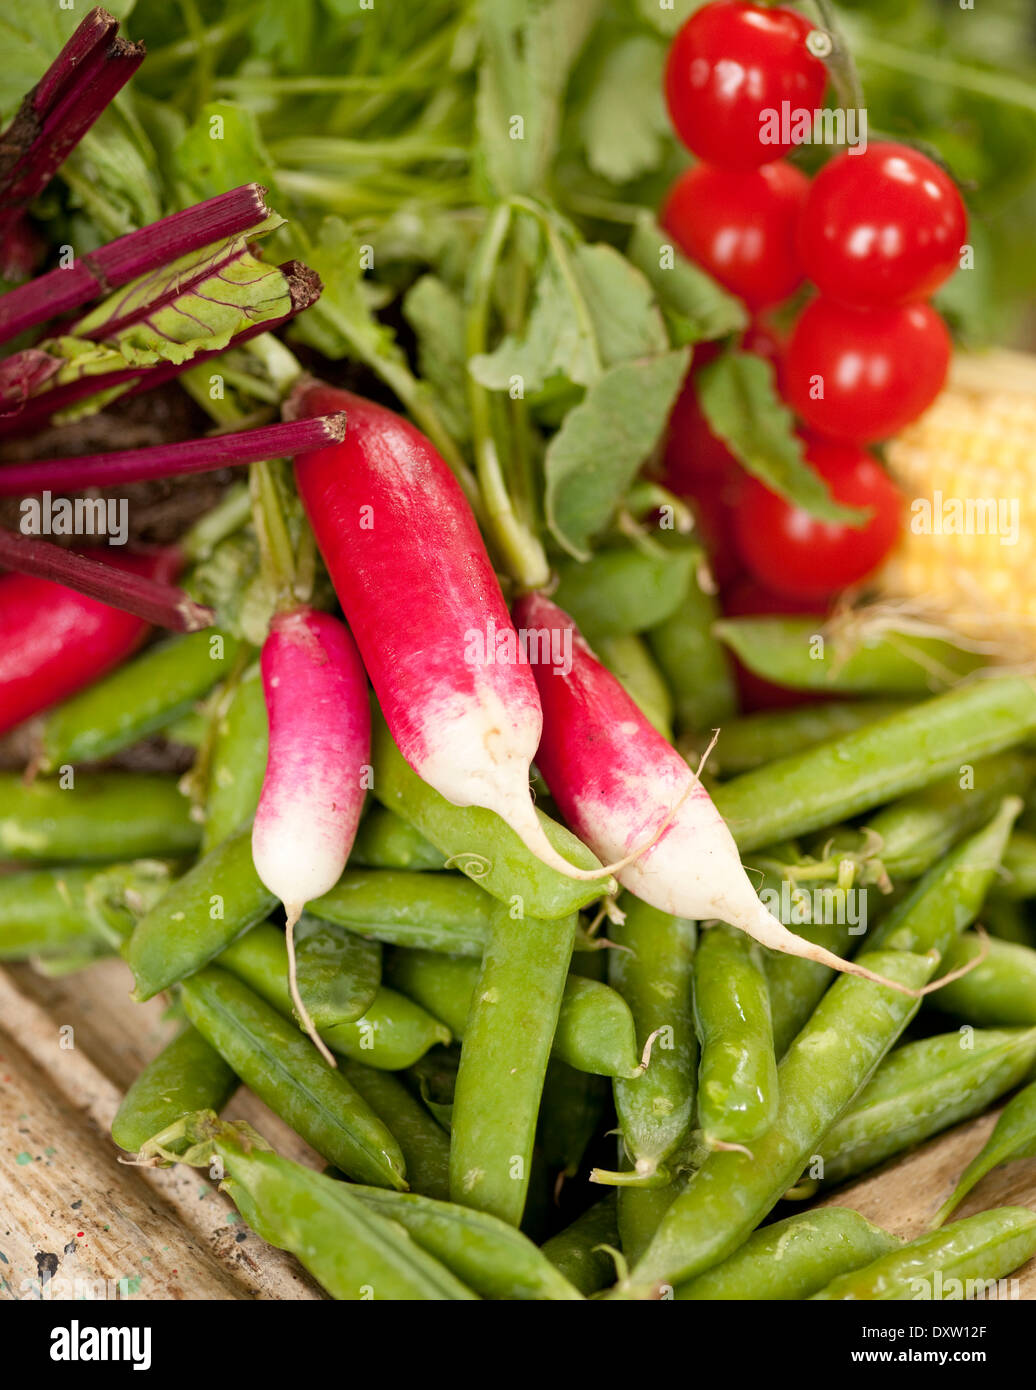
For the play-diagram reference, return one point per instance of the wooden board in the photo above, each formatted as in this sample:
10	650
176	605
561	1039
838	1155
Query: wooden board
71	1214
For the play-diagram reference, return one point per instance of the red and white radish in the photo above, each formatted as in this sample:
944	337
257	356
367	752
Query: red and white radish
55	641
623	788
316	769
419	592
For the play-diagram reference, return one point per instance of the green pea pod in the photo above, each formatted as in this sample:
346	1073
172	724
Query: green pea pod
920	1090
793	1258
914	833
216	900
571	1108
1020	867
139	698
187	1075
641	1210
852	774
83	910
950	896
694	663
576	1252
1000	991
654	973
737	1101
630	662
392	1033
485	1253
595	1030
854	1025
439	912
960	1261
237	761
480	844
286	1072
100	817
797	985
1013	1137
620	591
349	1248
426	1149
503	1061
384	841
786	651
755	739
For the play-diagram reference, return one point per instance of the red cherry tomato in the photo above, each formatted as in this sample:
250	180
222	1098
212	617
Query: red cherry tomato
741	226
862	374
747	599
731	69
793	553
882	227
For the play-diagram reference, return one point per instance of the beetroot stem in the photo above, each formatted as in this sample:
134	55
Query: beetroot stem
138	253
162	604
171	460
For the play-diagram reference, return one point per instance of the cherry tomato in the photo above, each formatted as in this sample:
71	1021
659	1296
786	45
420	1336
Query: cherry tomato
747	599
740	226
734	69
793	553
881	227
862	374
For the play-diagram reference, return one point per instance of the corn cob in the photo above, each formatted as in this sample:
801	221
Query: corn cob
967	551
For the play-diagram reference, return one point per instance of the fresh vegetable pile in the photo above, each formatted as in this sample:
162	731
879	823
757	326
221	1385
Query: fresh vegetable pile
562	817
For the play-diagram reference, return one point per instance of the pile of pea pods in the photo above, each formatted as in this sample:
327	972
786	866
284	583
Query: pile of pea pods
539	1094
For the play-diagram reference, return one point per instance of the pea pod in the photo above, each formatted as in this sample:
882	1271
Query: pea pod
504	1059
216	900
797	985
786	651
620	591
595	1031
439	912
392	1033
237	760
1020	867
425	1147
922	1089
137	699
1000	991
187	1075
349	1248
285	1071
755	739
630	662
694	663
654	974
737	1100
849	775
101	817
576	1251
487	1254
793	1258
1013	1137
384	841
480	844
641	1210
959	1261
78	909
854	1025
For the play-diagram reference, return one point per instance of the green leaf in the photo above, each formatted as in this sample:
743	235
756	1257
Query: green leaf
222	149
32	34
696	308
594	457
620	303
624	121
528	48
436	315
739	399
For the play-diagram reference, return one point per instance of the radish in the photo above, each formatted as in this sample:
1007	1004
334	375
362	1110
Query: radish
55	640
628	793
419	592
316	768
